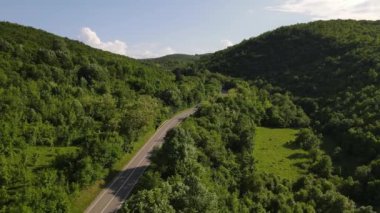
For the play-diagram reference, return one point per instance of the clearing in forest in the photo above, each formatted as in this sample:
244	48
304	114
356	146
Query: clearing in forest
274	154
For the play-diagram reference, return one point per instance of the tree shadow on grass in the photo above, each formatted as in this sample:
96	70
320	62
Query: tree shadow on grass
298	155
302	165
125	181
121	186
291	145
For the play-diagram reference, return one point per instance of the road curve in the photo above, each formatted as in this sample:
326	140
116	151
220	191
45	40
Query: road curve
114	194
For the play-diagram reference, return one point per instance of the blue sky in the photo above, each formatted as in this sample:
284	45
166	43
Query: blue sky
151	28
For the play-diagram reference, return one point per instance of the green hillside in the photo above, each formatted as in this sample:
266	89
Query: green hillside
315	59
68	112
332	68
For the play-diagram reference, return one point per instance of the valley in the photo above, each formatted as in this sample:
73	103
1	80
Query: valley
288	121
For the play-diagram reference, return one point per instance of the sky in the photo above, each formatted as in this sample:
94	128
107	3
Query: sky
153	28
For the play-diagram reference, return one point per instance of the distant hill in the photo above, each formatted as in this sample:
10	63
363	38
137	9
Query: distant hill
173	61
175	57
316	59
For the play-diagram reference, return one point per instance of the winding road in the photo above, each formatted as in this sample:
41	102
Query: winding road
112	197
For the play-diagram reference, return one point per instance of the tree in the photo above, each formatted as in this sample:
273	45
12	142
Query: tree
91	73
155	200
306	139
322	167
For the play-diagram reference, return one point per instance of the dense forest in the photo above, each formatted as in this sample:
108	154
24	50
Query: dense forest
69	112
333	70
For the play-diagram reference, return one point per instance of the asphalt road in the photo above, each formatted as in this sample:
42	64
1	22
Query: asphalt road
114	194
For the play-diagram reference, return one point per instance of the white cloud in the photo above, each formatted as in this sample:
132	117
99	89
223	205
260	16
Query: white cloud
226	43
332	9
145	50
89	37
150	50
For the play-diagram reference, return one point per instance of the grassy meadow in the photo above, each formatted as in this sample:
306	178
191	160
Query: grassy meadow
274	154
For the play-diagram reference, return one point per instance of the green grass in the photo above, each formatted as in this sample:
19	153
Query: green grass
274	155
42	156
87	195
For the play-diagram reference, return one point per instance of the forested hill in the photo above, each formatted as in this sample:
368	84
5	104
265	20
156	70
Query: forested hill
68	112
314	59
333	69
173	61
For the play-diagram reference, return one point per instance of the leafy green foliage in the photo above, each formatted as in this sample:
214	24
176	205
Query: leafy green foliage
61	94
284	113
307	140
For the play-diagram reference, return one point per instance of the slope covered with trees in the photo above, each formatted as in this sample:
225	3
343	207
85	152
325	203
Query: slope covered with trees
68	112
333	70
